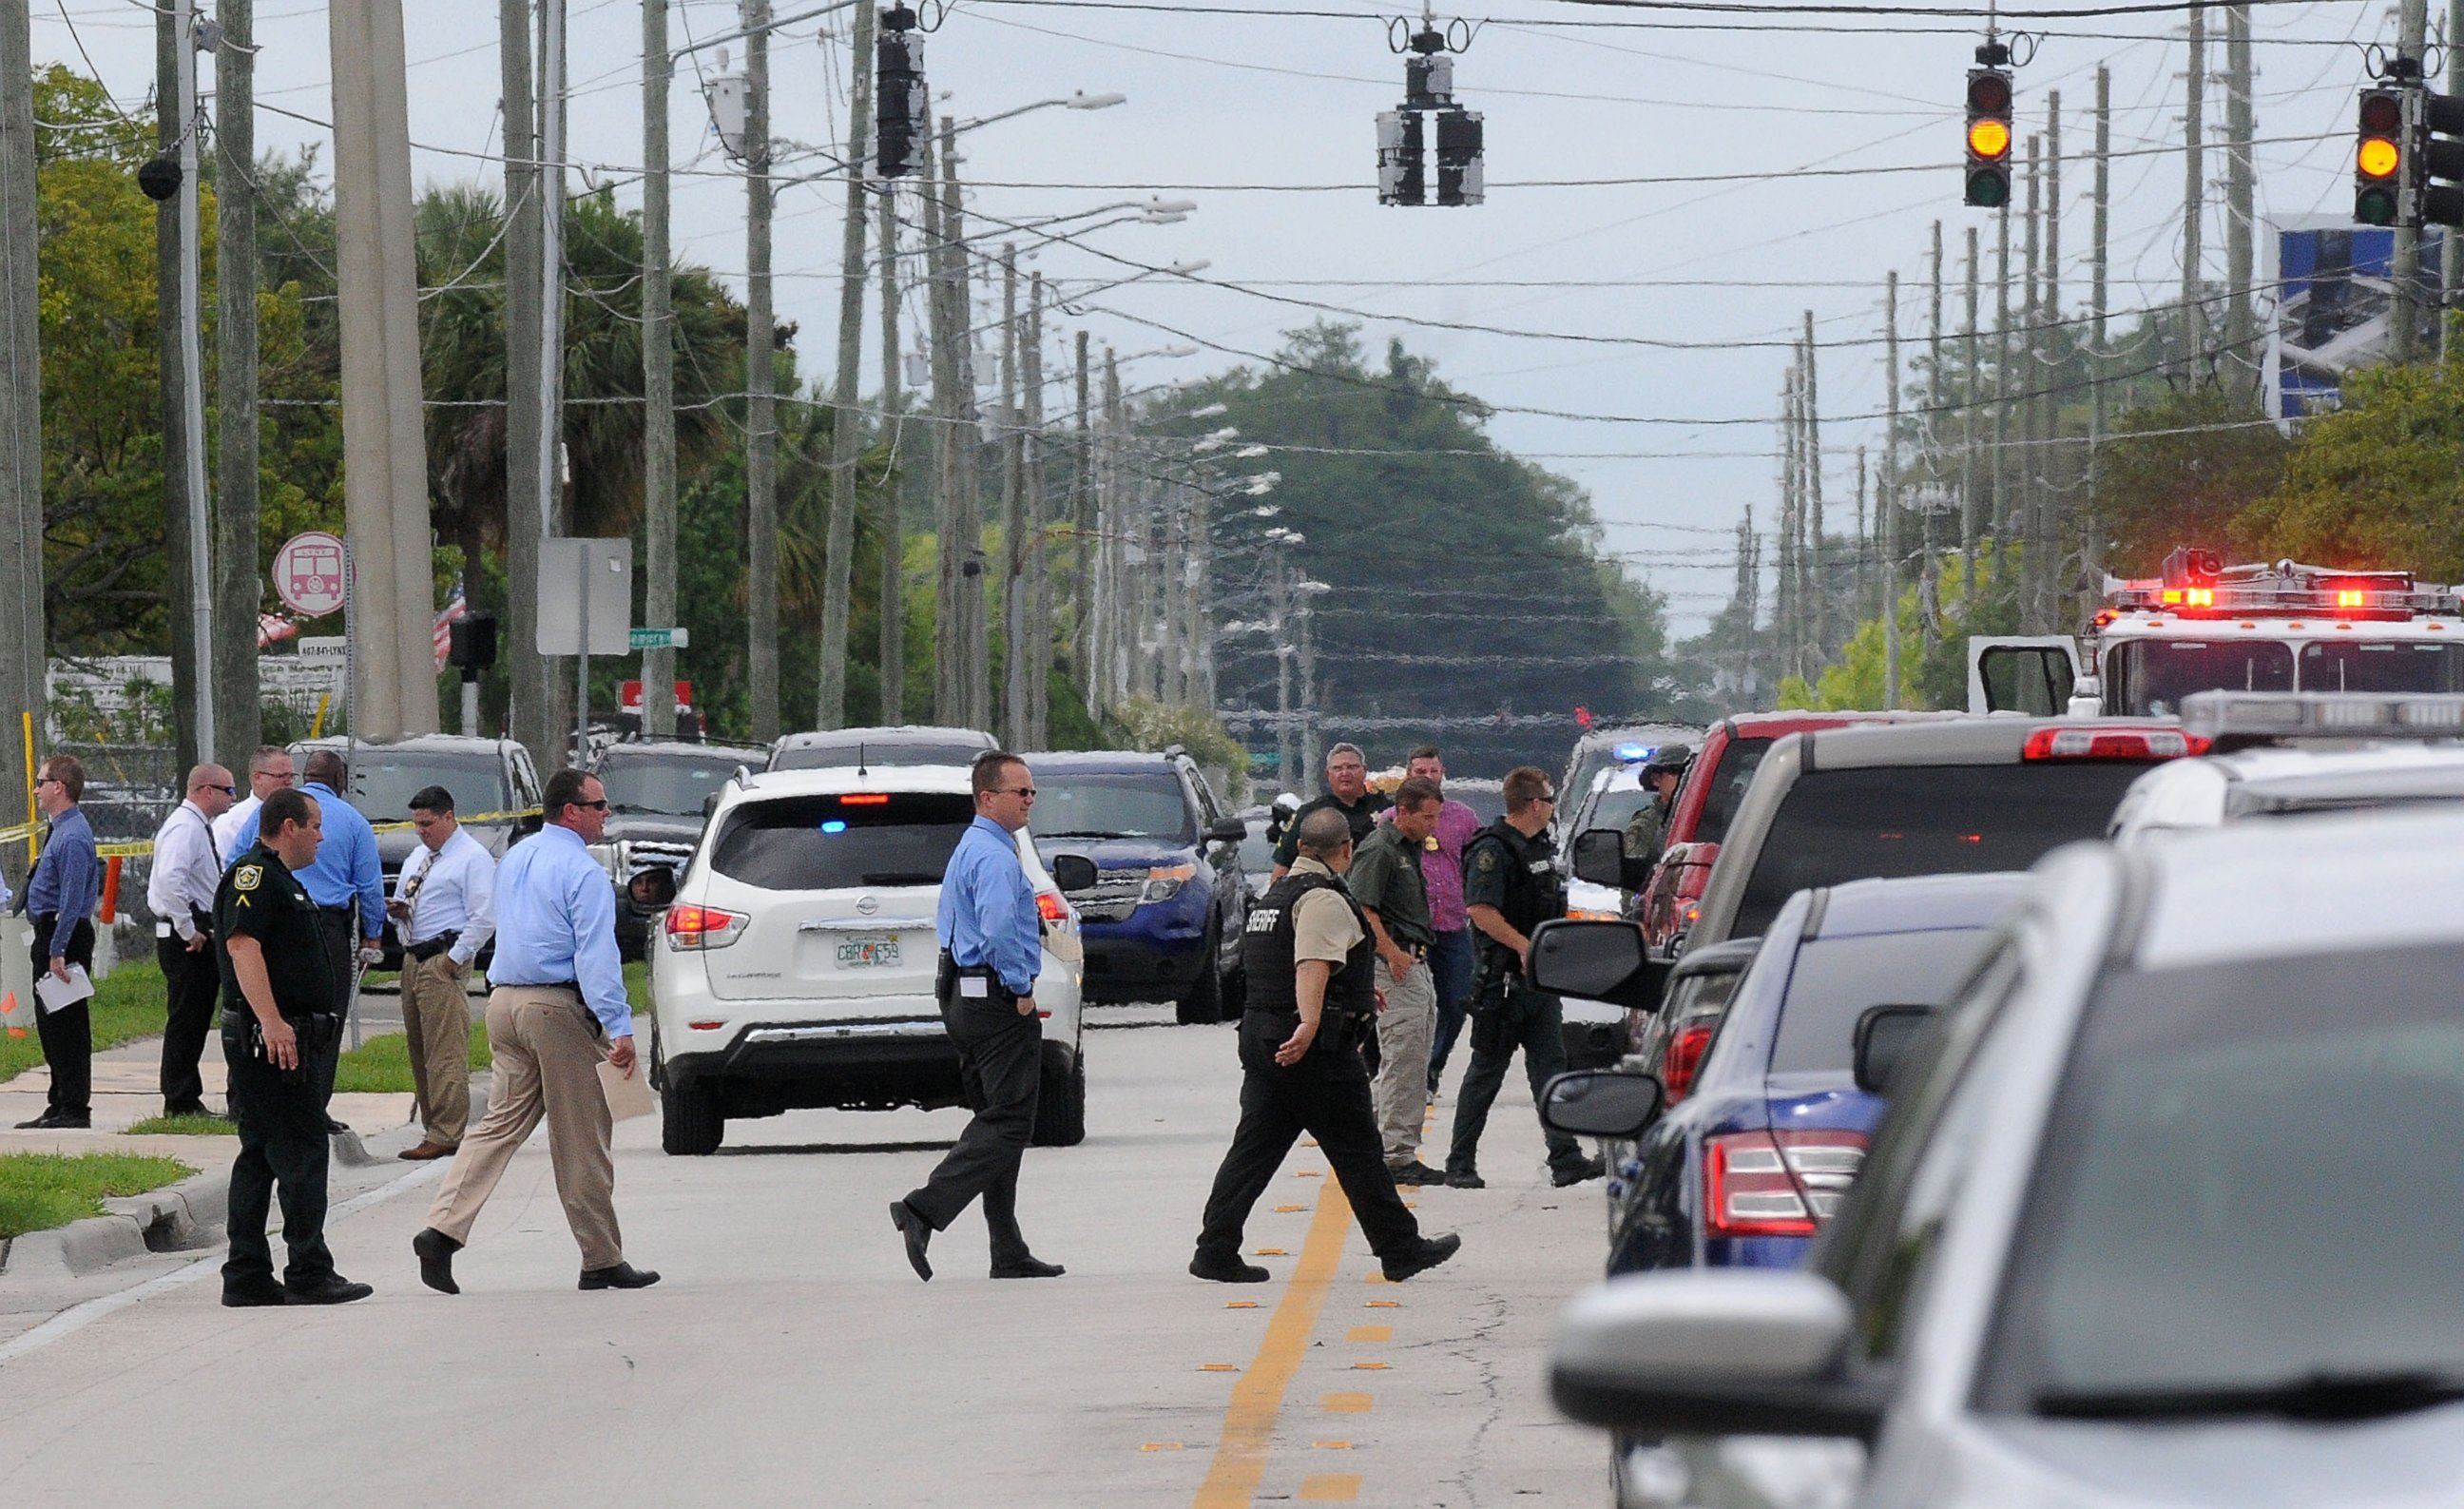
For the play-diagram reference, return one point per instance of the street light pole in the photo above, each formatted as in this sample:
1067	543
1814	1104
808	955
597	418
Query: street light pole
846	425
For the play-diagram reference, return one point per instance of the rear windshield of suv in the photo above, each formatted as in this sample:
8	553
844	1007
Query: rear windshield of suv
1130	804
828	843
1848	825
1837	980
830	757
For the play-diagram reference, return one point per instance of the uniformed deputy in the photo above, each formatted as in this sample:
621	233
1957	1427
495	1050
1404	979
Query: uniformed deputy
279	1006
1511	886
1310	959
1662	774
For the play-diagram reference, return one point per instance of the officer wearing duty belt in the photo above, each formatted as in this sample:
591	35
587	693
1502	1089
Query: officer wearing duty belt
280	1008
1309	958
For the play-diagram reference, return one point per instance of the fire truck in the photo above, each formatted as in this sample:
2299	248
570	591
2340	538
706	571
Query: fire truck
2203	626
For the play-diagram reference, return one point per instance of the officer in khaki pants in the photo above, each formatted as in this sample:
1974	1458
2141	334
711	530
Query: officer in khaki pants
1385	879
444	909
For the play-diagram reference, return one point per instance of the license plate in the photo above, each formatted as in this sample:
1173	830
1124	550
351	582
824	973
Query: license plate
868	951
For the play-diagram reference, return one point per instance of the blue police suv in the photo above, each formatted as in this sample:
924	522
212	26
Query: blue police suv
1163	920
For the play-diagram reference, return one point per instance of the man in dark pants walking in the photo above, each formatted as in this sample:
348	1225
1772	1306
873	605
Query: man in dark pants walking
278	1005
1311	959
60	897
180	892
991	948
1511	886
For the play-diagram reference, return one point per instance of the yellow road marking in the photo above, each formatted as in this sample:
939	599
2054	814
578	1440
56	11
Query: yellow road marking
1329	1488
1307	1173
1332	1445
1347	1404
1383	1304
1249	1433
1370	1333
1369	1368
1218	1367
1239	1304
1269	1252
1160	1446
1287	1210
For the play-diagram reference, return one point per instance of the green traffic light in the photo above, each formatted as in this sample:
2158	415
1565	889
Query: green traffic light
1988	188
2374	207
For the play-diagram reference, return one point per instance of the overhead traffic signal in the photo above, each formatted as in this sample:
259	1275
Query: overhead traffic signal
1404	136
1989	129
2439	180
902	105
2380	181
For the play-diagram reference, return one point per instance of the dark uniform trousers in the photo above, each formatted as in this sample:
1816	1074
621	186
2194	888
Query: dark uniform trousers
1325	1095
1001	1068
282	1139
342	943
68	1033
1537	1026
193	986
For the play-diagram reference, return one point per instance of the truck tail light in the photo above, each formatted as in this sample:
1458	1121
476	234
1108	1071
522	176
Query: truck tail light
2112	743
695	926
1683	1055
1049	906
1777	1184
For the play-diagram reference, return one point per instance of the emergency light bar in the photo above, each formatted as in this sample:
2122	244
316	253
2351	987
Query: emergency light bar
1631	753
2286	586
2233	720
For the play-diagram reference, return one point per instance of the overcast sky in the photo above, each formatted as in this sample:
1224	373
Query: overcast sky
1570	91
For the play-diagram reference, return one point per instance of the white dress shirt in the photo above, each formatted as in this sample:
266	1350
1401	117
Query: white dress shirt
456	893
227	826
187	866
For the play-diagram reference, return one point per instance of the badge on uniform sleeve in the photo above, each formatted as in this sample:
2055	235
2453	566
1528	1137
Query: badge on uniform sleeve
1487	860
247	876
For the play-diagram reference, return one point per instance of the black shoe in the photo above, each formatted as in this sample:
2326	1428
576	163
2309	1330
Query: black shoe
1028	1267
623	1276
58	1121
41	1123
1465	1178
332	1126
1412	1173
435	1251
246	1297
1226	1269
917	1231
1577	1173
1429	1253
332	1289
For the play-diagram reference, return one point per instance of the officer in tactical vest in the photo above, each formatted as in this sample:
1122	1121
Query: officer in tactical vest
1311	1000
1511	886
281	1008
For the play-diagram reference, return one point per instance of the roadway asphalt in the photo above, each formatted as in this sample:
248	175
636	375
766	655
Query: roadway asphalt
790	1356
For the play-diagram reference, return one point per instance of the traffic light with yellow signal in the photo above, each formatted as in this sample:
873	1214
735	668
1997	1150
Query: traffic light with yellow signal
2381	177
1989	135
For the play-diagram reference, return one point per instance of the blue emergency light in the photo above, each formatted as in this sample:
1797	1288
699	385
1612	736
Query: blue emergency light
836	824
1631	753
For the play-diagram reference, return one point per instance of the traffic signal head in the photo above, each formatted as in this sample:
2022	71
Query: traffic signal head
1989	138
1460	178
2379	159
1402	177
902	104
2438	176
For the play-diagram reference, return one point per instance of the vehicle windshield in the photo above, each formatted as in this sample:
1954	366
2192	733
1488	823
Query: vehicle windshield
1737	766
827	843
2379	665
382	785
1849	825
1616	808
2148	678
2248	1187
889	755
1148	804
1837	980
667	785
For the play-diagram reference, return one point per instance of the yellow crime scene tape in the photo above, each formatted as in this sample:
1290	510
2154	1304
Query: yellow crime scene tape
144	847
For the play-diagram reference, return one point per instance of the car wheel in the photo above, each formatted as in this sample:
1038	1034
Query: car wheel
1061	1102
1204	1002
690	1122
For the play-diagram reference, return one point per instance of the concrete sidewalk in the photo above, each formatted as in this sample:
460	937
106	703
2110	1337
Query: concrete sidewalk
127	1088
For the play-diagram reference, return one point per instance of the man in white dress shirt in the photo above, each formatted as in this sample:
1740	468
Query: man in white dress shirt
180	893
444	910
270	770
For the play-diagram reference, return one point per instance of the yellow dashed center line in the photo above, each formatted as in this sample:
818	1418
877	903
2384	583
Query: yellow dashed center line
1370	1333
1329	1488
1249	1433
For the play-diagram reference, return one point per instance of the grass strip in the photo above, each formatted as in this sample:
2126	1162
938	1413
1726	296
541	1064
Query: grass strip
41	1190
126	1006
183	1127
382	1065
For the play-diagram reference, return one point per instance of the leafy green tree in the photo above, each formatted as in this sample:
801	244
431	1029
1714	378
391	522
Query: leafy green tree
2181	471
2378	482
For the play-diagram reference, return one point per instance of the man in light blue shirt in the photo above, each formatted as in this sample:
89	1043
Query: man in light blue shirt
991	949
556	1009
60	897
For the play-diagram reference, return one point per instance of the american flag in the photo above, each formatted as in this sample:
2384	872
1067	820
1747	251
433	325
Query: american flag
454	608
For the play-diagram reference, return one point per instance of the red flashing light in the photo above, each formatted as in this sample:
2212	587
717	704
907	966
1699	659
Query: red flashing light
1683	1055
2190	597
2346	597
2111	743
1777	1184
865	799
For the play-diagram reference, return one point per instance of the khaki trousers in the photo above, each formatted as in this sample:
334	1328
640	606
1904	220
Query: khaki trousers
436	1023
548	1048
1405	1030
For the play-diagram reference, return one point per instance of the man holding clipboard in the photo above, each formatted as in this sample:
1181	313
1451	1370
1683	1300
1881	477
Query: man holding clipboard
60	897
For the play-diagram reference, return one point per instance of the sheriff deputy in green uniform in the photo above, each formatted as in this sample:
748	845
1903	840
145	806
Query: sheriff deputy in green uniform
281	1005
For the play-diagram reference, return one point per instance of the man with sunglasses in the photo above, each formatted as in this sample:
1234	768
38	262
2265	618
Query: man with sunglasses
555	1008
180	893
59	900
991	948
1511	886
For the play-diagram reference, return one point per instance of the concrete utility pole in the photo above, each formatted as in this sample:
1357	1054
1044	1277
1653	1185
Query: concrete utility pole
1890	495
2404	309
385	446
658	378
1114	666
1039	566
947	697
846	423
1082	552
2050	510
1974	357
1784	616
2450	249
1013	465
760	374
2194	184
535	709
184	499
2091	526
972	666
237	590
1819	581
2097	224
2241	329
1929	590
2001	515
1279	618
22	636
1869	547
2023	515
891	529
555	513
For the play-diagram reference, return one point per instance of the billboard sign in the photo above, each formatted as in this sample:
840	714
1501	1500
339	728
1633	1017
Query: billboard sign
2334	282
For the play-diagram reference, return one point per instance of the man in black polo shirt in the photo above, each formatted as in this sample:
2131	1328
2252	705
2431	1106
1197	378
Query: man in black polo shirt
281	1007
1347	791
